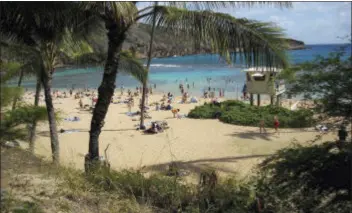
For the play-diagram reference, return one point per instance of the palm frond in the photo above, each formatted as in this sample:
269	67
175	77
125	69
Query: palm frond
118	11
257	43
208	5
132	66
8	94
9	70
72	47
10	127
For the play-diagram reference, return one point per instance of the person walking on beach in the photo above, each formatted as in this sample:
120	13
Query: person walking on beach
244	91
261	126
122	89
175	112
342	133
276	124
129	105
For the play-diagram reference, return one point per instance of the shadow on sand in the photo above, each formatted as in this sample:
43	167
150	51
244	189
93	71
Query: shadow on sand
197	166
253	135
47	133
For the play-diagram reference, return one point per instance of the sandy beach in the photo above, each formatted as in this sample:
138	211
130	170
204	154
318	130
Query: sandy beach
195	144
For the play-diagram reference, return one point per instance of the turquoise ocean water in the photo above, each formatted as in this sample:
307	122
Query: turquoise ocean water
168	73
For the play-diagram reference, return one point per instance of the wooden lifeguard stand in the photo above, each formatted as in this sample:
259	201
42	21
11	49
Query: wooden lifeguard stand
262	80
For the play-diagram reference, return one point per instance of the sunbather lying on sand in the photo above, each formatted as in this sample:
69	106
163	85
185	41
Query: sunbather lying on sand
155	128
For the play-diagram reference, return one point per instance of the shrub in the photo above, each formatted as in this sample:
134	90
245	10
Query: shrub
239	113
307	179
171	194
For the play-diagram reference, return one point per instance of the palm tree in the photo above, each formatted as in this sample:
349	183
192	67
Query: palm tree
259	43
31	68
141	125
48	29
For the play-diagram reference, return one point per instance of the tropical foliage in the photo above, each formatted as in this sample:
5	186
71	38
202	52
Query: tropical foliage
239	113
13	122
50	30
307	179
327	81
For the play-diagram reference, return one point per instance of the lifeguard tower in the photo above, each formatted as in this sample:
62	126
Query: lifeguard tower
262	80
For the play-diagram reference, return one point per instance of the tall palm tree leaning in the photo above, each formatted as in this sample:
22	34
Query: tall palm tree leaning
149	59
47	28
259	43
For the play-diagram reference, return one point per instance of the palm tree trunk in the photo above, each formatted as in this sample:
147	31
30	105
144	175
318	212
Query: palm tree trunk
144	92
18	85
47	82
116	37
148	66
34	123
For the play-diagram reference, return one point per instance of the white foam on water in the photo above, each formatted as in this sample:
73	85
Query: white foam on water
165	65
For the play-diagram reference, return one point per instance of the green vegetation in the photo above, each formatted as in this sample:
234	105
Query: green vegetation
295	179
13	122
239	113
307	179
327	81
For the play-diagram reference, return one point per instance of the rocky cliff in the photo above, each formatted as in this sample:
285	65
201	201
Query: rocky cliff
165	45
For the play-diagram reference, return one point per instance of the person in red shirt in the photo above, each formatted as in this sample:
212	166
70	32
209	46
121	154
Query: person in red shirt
276	124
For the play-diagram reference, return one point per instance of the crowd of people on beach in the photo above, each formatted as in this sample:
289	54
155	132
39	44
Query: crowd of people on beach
164	104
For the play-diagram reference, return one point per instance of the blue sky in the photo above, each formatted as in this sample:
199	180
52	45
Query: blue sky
310	22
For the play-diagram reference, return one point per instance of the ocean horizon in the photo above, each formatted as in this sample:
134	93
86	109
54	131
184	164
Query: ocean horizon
167	73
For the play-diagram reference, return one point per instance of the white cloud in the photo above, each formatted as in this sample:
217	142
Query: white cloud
282	21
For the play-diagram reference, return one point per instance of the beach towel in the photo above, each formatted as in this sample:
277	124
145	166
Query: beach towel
131	114
321	128
181	116
74	119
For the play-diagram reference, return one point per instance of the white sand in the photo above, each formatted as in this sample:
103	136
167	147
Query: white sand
195	143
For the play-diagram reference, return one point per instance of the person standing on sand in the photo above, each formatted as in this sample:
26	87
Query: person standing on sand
261	126
175	112
80	103
244	91
129	105
342	133
276	124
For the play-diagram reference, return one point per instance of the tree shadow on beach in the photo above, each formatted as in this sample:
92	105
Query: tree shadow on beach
70	131
253	135
197	166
